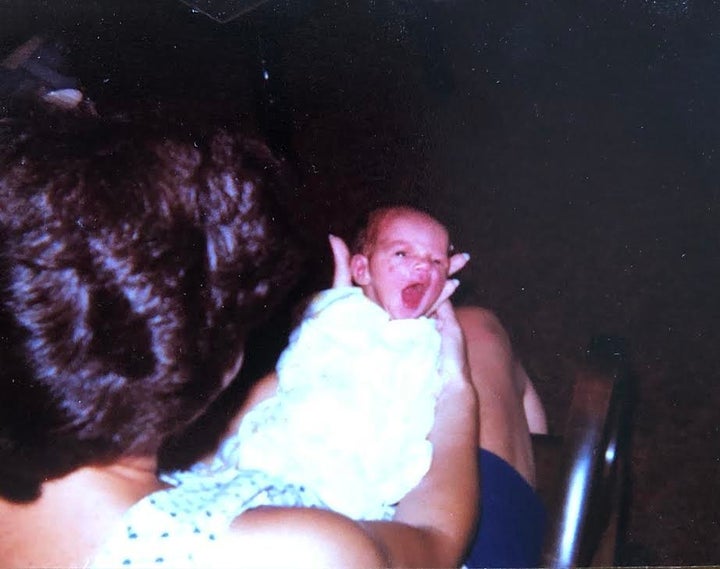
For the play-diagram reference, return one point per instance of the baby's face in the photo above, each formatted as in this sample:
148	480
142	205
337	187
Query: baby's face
407	268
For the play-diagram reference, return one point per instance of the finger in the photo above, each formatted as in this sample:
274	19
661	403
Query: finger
453	352
341	259
457	262
447	291
446	321
444	312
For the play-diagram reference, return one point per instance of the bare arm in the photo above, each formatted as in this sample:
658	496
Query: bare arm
274	537
433	524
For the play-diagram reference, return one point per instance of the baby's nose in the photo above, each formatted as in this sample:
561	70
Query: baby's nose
422	263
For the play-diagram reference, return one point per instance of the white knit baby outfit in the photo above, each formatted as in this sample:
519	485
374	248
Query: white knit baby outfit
355	403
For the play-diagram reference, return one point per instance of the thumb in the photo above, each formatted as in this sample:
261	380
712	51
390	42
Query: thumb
447	291
457	262
341	258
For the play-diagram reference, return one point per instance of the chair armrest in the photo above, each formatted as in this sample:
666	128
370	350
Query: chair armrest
588	484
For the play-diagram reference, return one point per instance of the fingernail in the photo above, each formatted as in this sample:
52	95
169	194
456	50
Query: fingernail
466	256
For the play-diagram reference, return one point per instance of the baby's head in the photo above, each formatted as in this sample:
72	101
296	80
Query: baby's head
401	260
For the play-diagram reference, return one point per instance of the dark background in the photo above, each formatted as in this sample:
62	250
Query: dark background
573	147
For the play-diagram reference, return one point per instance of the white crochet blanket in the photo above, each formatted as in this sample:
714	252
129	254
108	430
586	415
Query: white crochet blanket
355	403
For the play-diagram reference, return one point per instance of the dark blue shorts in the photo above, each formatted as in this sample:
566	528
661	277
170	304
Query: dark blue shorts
512	518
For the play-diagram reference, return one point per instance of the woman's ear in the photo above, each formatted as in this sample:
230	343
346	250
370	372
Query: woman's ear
359	269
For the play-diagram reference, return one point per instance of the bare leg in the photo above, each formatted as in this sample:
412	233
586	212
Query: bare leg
502	386
534	410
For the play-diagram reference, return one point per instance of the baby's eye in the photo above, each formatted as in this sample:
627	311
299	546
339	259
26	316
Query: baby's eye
400	253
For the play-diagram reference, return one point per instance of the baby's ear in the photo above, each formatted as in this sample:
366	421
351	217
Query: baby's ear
359	269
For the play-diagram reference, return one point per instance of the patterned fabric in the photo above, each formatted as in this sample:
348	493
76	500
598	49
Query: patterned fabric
183	527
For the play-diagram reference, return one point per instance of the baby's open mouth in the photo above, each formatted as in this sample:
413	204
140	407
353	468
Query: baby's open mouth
413	294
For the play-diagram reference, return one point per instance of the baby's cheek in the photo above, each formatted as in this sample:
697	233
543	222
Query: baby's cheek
394	264
401	268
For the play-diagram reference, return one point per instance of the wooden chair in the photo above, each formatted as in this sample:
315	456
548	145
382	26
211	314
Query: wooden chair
583	474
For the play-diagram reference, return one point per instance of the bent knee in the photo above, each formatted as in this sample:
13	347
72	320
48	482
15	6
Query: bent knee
490	353
483	325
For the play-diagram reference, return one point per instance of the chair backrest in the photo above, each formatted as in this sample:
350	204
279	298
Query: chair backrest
583	474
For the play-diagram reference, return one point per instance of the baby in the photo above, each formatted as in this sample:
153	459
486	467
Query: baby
358	381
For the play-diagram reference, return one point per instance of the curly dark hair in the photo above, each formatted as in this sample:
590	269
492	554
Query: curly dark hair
135	257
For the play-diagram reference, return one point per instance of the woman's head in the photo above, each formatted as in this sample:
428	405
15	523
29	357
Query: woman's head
134	259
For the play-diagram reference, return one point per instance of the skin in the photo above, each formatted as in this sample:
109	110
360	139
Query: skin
406	267
504	391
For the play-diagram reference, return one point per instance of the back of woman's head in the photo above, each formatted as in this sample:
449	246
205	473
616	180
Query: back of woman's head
134	259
